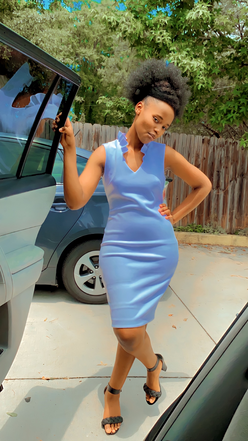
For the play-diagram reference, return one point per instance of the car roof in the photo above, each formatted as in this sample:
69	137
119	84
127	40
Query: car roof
20	43
79	151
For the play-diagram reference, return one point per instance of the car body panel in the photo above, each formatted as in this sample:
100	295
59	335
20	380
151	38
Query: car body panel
57	225
84	224
88	226
60	218
20	263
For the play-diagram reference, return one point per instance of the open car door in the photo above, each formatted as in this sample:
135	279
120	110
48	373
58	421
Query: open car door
34	88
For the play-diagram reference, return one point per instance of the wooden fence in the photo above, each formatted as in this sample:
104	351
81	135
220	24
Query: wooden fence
222	160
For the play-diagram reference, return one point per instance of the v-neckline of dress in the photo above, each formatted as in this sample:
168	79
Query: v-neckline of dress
123	143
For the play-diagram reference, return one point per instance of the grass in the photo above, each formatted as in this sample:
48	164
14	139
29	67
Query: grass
209	229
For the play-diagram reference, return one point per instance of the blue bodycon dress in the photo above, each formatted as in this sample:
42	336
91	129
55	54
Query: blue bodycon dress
139	251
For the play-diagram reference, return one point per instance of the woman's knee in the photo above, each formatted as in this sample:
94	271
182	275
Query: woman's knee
130	338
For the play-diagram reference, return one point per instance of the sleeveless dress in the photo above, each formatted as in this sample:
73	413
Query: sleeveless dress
139	250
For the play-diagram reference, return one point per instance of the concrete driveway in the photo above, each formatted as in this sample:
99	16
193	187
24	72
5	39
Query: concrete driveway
54	389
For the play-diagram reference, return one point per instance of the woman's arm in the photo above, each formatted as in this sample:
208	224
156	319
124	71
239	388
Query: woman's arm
192	176
79	189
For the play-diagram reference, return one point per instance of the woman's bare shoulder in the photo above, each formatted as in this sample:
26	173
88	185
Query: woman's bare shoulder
99	155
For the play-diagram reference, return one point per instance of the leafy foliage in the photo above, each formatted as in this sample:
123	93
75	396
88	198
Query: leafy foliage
78	38
194	228
118	109
7	8
208	41
209	229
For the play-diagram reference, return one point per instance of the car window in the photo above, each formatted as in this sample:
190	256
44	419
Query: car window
58	169
24	85
39	152
81	163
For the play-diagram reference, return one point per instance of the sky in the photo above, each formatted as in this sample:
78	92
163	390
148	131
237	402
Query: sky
47	2
121	6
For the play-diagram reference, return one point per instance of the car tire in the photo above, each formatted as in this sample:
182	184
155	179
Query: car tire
81	274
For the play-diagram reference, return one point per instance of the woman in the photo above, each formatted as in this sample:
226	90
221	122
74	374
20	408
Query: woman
139	251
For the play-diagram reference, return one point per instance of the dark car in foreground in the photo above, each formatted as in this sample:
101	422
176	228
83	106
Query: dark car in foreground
71	239
214	406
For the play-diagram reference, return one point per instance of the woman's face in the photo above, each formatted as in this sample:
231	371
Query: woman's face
153	118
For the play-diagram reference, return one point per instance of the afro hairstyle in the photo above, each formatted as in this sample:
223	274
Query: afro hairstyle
159	80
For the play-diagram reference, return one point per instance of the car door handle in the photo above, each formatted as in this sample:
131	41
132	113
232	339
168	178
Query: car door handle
59	204
59	207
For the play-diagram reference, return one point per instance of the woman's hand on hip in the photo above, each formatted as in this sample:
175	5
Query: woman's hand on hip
165	211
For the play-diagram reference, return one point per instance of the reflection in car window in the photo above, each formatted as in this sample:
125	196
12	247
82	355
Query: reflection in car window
23	86
23	83
40	148
58	169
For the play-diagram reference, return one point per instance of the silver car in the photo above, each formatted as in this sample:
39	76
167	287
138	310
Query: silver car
34	87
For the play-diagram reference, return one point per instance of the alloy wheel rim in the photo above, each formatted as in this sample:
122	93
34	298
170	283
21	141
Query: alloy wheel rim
88	274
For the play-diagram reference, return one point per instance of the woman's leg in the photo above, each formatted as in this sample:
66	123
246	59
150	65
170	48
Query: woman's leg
136	342
122	366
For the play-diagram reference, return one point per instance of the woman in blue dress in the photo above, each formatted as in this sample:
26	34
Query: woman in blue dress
139	251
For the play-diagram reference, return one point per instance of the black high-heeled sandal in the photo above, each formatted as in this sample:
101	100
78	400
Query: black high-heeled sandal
111	420
151	392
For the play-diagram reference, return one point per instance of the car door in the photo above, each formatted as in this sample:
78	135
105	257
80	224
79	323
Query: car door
33	89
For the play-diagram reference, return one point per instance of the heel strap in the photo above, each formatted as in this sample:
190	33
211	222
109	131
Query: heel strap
159	357
113	391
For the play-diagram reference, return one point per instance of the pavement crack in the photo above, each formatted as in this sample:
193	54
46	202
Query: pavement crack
91	377
193	315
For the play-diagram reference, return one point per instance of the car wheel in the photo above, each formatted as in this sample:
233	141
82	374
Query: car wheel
81	274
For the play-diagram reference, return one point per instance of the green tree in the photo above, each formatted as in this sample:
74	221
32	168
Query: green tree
78	39
117	110
7	8
208	41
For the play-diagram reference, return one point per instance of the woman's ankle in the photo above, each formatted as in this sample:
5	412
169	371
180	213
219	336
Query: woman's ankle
155	365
